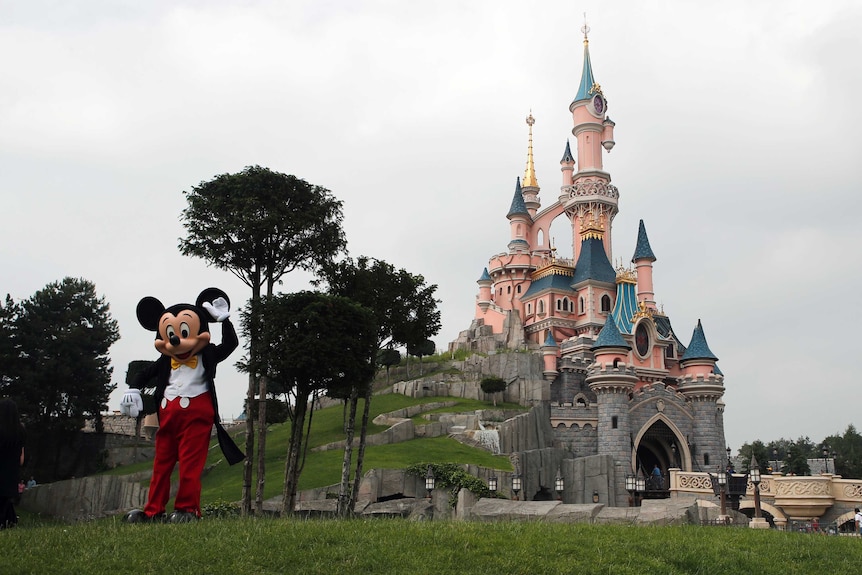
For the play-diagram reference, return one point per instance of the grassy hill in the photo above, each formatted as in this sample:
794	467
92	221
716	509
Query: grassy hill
224	483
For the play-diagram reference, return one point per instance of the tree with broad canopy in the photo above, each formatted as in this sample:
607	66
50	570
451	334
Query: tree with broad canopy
405	312
310	343
55	362
260	225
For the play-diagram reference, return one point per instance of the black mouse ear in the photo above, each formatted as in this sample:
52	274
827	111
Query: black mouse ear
209	295
150	311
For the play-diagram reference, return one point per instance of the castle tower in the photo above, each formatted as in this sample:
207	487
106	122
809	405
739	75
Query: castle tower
703	386
612	379
643	259
590	190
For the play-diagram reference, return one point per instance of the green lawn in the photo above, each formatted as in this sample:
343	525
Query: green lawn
390	546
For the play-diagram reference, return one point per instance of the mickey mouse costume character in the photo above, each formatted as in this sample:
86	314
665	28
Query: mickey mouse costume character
186	399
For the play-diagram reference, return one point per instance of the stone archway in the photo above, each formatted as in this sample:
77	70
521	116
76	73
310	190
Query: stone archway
660	444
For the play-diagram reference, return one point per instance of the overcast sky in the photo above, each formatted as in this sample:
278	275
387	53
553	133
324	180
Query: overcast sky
737	130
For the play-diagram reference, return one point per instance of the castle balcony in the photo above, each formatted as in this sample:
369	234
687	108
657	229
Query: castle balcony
785	497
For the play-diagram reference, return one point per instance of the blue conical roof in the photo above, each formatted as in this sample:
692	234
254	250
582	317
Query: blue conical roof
518	206
486	277
567	155
593	263
610	336
698	348
587	80
642	249
549	341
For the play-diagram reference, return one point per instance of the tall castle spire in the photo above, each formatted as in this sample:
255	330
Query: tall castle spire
585	89
530	183
530	170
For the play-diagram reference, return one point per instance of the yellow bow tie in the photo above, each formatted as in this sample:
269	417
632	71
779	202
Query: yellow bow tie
192	363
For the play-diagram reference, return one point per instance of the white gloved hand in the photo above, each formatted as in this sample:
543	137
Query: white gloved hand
132	404
218	309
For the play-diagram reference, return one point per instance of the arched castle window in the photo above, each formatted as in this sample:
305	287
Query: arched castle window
581	304
540	307
614	422
529	308
518	231
518	289
606	303
508	289
540	238
706	458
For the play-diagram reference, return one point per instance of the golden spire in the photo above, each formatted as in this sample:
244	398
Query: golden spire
530	171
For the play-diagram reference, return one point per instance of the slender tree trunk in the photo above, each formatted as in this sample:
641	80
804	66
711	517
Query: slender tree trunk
345	493
261	426
248	463
360	456
261	446
294	449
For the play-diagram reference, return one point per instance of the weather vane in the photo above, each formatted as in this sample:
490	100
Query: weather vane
585	29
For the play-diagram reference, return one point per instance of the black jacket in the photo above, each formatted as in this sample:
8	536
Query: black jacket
211	356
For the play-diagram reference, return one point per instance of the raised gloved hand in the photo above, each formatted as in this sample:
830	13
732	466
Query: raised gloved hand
132	404
218	309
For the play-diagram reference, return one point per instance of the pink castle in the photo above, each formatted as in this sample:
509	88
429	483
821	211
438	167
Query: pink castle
614	375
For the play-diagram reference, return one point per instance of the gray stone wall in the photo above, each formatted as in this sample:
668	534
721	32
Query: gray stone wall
579	440
86	498
528	431
708	434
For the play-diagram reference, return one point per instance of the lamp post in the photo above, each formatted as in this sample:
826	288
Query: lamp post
631	487
775	466
722	488
429	481
559	485
825	451
595	496
492	485
754	474
516	483
640	487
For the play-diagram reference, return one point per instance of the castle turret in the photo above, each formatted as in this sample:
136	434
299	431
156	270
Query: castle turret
643	259
703	387
519	221
567	166
485	282
550	352
613	380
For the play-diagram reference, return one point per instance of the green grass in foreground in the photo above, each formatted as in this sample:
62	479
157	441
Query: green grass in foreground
380	546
